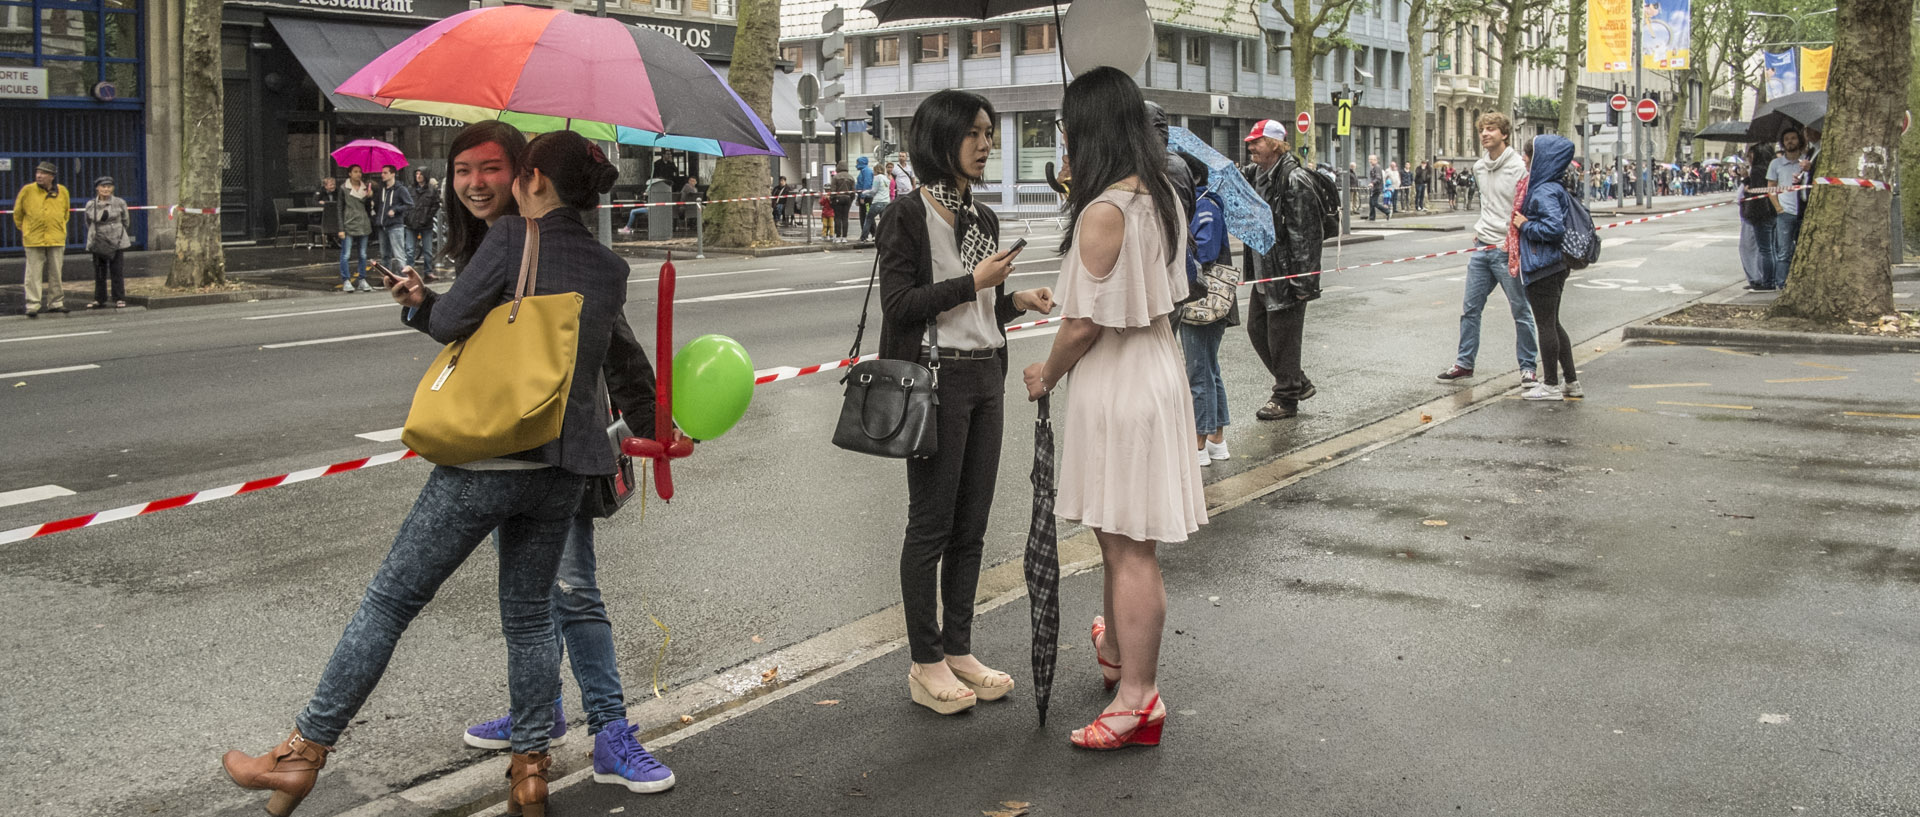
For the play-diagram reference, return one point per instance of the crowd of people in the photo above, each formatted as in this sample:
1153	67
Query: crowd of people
390	220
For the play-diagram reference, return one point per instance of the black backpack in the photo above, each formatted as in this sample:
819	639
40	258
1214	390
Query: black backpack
1581	243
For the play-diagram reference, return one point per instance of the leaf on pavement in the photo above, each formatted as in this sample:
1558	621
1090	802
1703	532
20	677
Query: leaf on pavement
686	719
1426	418
1434	523
758	639
1015	804
767	677
827	702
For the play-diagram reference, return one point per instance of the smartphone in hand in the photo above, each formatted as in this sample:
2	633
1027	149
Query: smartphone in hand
391	276
1017	247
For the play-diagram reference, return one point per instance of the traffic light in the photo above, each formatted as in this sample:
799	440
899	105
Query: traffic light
1655	96
1613	117
876	122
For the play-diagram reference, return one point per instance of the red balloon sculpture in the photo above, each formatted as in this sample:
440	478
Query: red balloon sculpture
659	449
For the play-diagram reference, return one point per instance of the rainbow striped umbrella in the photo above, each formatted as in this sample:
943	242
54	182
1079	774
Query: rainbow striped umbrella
543	70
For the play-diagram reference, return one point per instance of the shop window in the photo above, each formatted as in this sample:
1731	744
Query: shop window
16	29
1037	39
1399	65
1163	47
1380	69
669	6
1197	48
1248	55
983	42
1276	51
883	51
1036	145
930	47
80	42
723	9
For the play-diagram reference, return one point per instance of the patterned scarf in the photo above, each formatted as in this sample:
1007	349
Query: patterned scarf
1513	232
974	244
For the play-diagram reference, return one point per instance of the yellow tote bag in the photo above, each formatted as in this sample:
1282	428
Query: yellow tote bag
503	389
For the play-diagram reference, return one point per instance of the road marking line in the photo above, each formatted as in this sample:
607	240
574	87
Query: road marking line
1666	385
1825	366
1707	405
51	337
34	494
51	371
339	339
1878	414
1381	231
678	277
1808	379
1732	352
388	305
387	436
768	293
1335	288
1035	272
1625	409
851	263
1416	276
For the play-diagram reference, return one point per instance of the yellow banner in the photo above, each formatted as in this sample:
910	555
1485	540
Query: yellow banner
1814	63
1609	35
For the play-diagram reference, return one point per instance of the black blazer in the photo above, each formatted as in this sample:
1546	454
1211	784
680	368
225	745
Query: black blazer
570	261
909	297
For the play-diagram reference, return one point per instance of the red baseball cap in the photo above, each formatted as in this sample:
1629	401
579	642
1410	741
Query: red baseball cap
1268	127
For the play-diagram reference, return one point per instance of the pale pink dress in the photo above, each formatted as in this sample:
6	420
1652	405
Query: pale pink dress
1127	465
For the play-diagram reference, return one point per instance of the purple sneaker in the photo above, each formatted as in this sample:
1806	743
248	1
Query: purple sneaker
622	761
498	734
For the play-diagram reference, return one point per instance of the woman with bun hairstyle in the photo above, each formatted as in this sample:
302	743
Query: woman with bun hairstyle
531	496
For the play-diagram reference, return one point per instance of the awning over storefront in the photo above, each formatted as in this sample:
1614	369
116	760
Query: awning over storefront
332	51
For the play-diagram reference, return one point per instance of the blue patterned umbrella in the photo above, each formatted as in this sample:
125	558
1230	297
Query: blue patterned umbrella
1248	216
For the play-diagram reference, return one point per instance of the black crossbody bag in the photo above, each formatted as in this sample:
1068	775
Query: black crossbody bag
888	410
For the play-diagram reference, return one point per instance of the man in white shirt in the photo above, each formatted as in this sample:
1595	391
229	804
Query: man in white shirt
1498	175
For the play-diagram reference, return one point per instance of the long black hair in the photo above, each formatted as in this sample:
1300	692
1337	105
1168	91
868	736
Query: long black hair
940	126
464	229
1109	138
578	170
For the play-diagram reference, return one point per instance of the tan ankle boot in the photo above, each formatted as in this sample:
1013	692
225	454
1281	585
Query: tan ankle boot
288	771
527	784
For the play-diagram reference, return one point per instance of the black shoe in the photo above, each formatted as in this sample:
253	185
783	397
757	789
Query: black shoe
1454	373
32	314
60	309
1310	392
1278	410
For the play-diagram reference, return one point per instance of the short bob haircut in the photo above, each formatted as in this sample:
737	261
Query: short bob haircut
940	125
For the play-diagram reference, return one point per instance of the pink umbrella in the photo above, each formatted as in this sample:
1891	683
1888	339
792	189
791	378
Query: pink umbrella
370	154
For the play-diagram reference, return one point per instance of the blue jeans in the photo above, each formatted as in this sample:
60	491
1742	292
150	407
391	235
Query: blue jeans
420	250
1763	240
1786	234
346	250
1202	347
399	244
1485	270
452	516
581	627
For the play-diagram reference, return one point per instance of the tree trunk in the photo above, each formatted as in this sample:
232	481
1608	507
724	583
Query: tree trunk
1573	115
1417	82
1675	109
197	259
748	223
1842	269
1910	160
1304	46
1510	32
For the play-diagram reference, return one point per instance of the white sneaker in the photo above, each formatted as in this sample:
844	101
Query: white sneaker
364	286
1203	458
1572	389
1543	392
1217	450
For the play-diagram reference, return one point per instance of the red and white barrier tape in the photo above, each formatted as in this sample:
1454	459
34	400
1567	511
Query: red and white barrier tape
1866	183
209	495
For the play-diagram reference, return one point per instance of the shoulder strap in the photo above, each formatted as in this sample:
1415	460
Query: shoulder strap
529	269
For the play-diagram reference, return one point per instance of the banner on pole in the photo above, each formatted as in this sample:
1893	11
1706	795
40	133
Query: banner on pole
1814	63
1609	36
1783	72
1667	41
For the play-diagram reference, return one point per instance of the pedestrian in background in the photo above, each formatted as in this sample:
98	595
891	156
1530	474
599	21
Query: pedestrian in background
842	197
826	216
1501	170
419	220
327	198
108	237
883	195
1539	224
1376	186
1125	470
393	201
1396	189
1277	310
1758	206
1422	182
356	228
532	496
942	292
863	192
1786	171
781	204
40	212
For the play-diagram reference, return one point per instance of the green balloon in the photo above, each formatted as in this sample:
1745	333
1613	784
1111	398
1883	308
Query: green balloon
712	385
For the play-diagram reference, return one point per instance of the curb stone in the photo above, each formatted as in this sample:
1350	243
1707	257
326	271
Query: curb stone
1705	336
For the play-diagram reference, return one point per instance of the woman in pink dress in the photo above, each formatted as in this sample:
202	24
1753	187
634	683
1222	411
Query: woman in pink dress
1127	468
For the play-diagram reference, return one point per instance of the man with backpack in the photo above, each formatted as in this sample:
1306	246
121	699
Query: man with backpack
1277	310
1498	173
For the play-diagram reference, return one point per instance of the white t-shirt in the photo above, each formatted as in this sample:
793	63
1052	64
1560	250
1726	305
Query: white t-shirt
1781	173
970	325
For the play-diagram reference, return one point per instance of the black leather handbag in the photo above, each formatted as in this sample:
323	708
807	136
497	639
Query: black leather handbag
888	410
604	495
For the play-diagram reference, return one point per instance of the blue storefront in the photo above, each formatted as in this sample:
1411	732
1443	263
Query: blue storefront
72	93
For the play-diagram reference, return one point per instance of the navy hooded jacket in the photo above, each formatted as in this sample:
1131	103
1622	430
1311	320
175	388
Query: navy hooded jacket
1546	208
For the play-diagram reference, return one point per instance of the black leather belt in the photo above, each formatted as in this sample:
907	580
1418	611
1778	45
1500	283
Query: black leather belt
964	354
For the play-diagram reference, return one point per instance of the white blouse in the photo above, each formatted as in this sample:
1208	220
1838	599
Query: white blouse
971	325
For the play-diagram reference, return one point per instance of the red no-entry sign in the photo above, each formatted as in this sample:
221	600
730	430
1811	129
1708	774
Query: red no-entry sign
1302	122
1647	110
1619	102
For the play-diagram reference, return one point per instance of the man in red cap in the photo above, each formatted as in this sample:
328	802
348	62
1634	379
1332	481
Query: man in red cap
1277	312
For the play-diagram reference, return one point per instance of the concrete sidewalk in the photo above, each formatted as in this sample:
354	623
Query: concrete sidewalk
1694	592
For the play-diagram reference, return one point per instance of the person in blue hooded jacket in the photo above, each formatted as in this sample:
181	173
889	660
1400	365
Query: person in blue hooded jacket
863	184
1542	222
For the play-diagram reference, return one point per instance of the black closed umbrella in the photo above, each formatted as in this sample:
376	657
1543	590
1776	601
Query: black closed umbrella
1801	109
1727	131
1043	566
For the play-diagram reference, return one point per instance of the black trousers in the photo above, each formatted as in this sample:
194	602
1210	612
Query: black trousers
1374	205
950	496
108	268
840	209
1277	337
1556	350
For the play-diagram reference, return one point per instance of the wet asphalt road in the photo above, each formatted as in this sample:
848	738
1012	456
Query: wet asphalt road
211	622
1635	607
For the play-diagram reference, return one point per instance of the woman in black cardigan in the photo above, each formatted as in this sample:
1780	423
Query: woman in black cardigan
942	285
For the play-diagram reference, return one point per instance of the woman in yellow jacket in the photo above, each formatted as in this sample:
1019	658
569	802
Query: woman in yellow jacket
40	211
